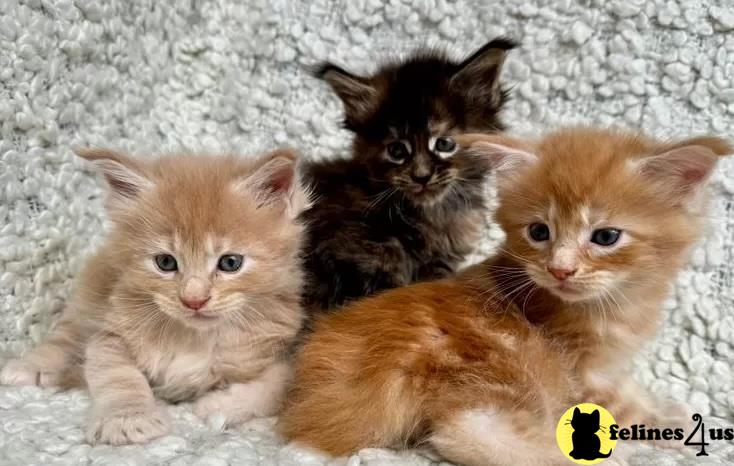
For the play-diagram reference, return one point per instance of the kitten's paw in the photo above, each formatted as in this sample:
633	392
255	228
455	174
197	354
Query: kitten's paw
130	427
240	402
19	372
217	407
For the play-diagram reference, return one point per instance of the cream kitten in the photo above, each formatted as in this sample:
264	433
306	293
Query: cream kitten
194	295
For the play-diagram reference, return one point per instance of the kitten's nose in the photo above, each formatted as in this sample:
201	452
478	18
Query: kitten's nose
195	293
421	178
194	304
561	274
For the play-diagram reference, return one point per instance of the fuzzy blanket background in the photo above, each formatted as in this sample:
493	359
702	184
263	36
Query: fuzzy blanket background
148	76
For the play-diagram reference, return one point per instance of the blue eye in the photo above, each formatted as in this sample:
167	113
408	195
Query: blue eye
445	145
230	262
606	236
539	232
166	263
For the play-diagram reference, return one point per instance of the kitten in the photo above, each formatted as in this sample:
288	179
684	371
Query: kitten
194	295
481	366
406	206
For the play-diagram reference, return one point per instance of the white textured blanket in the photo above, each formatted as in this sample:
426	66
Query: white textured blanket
148	75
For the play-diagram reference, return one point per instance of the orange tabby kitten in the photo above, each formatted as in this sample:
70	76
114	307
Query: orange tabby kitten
193	295
481	366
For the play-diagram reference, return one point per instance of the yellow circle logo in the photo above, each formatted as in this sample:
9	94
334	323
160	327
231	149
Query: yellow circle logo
583	434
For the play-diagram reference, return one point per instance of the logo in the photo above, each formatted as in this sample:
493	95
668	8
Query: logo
588	434
583	434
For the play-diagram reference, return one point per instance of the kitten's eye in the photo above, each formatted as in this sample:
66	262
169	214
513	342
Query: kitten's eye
230	262
166	263
444	145
539	232
606	236
397	152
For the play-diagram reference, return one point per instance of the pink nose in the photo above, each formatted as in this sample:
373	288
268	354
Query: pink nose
561	274
194	304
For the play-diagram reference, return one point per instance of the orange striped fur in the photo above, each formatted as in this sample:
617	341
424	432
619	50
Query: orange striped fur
481	366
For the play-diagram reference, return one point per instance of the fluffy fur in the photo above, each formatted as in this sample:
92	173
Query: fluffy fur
407	205
482	366
204	330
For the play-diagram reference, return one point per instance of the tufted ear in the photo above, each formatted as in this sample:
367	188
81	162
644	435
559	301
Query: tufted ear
277	182
359	95
477	77
505	155
682	169
124	175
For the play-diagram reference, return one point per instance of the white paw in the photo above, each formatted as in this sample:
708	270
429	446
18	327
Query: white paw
224	408
129	427
241	402
216	408
19	372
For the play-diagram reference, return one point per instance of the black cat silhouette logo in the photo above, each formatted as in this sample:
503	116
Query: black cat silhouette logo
583	434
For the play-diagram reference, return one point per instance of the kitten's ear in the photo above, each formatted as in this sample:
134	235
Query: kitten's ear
682	169
717	145
124	175
505	155
478	76
595	415
277	181
359	95
576	411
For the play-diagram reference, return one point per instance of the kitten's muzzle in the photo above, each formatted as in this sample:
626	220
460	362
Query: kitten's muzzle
421	172
561	274
195	293
195	304
421	179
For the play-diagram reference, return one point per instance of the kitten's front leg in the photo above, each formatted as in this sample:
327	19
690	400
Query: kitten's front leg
631	404
124	410
240	402
46	364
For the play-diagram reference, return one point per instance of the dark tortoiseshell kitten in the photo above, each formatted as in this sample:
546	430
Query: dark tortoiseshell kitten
407	205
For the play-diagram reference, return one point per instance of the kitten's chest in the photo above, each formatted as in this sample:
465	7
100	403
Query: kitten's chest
183	373
188	368
605	349
453	235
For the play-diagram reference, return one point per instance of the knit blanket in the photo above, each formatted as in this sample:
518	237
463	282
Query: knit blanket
150	76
